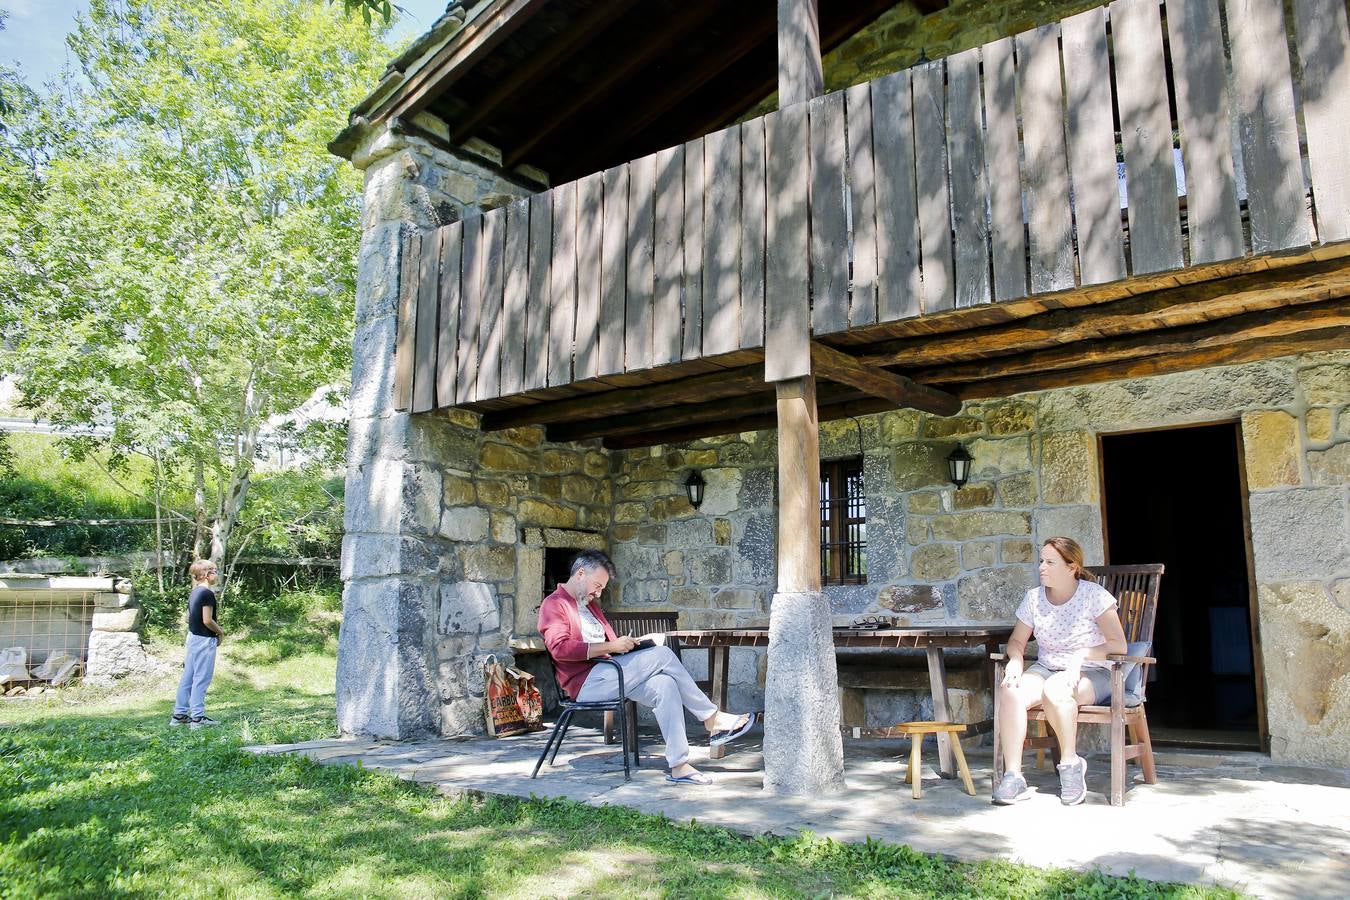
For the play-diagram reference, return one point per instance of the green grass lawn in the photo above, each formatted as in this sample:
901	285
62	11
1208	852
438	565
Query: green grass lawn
98	797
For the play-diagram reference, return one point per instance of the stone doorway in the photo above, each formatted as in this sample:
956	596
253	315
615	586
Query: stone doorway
1176	496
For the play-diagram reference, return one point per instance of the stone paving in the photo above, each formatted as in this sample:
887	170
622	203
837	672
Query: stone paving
1233	819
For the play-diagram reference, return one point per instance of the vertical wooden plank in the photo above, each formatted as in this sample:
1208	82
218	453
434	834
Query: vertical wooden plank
801	73
669	256
590	224
1324	51
424	364
753	213
1146	135
862	308
1264	93
692	288
613	272
829	223
638	303
563	290
1047	176
537	298
404	337
930	177
899	291
1007	230
471	293
970	192
515	266
447	331
721	250
1092	148
490	324
1213	220
787	314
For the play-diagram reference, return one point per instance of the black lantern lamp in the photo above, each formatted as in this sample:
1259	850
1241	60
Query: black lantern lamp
958	466
693	486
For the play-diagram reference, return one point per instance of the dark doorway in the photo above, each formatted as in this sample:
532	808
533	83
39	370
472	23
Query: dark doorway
1175	496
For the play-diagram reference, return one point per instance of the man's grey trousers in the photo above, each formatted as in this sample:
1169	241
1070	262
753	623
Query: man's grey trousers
654	677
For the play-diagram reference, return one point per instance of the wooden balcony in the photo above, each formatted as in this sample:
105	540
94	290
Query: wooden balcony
971	224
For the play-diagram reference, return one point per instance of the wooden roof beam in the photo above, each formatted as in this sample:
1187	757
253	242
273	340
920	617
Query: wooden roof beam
827	362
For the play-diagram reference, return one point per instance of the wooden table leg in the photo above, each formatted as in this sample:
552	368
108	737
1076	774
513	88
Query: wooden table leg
937	682
719	662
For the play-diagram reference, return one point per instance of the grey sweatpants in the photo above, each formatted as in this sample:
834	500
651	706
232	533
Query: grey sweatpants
198	667
654	677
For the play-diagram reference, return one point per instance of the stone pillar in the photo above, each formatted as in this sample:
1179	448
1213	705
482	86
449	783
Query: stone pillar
408	605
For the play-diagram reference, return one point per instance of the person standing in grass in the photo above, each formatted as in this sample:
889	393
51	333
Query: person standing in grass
199	663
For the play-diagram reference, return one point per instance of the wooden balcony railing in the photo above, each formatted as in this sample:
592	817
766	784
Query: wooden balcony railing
987	176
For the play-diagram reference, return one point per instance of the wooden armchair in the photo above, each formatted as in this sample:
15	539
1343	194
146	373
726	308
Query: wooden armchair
1136	591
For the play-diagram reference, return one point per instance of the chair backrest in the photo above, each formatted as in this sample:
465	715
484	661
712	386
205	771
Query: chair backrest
642	621
1136	591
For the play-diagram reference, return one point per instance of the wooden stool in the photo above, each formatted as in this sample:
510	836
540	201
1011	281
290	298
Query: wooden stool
916	731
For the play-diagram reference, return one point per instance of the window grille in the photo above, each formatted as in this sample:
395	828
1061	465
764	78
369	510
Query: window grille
843	522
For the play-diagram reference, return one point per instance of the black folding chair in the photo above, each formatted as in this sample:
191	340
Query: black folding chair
624	710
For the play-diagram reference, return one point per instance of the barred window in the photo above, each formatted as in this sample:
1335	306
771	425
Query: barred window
843	522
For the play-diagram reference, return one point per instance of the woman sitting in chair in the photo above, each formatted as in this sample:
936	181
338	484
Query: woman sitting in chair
1076	626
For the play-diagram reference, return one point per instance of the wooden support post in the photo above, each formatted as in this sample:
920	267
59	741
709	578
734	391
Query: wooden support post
798	487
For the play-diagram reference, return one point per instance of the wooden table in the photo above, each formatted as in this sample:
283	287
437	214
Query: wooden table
934	640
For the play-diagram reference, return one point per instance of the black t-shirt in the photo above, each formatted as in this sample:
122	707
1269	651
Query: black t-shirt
201	596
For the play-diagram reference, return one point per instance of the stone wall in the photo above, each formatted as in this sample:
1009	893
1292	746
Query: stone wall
938	554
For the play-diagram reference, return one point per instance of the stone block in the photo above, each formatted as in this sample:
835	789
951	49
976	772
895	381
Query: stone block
493	493
1330	466
673	561
128	619
1327	385
910	598
630	512
462	718
690	597
371	501
1069	468
464	523
934	562
803	747
1019	552
885	708
1010	417
722	531
924	503
723	491
757	545
1305	641
464	418
1319	423
711	567
440	442
1082	523
852	707
526	437
456	491
383	555
998	456
503	458
646	592
842	438
117	654
555	461
372	392
549	486
977	555
541	512
972	496
737	599
988	523
700	458
579	488
489	563
757	488
627	532
994	594
1299	534
915	466
952	427
1271	441
669	508
468	607
899	425
377	274
421	499
652	534
1018	492
504	528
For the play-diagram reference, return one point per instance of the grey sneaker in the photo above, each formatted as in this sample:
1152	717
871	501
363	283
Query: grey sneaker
1072	782
175	721
203	722
1012	788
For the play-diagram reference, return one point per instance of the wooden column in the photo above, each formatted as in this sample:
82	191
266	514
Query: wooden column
801	74
798	487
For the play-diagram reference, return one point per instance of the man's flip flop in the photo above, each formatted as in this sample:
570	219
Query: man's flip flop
721	737
691	778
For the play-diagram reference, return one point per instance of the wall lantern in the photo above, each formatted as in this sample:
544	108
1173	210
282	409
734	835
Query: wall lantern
958	466
693	485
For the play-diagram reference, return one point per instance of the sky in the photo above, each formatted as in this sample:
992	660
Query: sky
35	31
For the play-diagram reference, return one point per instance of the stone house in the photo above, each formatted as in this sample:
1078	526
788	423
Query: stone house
1103	248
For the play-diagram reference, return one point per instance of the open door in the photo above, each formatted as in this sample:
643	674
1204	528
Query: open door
1176	496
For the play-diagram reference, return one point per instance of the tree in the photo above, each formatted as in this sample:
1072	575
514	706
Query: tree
182	268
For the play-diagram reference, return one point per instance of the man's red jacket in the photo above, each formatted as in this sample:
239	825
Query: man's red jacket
560	624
